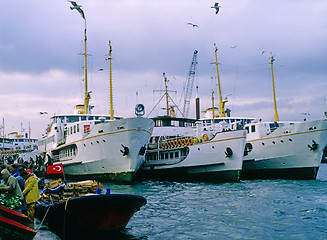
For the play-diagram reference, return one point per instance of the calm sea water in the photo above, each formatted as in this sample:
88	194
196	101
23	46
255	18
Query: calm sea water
269	209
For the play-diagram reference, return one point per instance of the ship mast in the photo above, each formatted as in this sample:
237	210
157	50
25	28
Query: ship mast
110	84
213	106
86	93
166	91
273	83
222	112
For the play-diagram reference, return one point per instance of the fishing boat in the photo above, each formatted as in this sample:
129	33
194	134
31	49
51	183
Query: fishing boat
91	146
278	149
185	149
90	215
13	225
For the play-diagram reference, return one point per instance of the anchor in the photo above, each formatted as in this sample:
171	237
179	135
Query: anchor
314	145
125	151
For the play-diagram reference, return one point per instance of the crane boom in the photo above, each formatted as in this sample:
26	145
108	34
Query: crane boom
189	85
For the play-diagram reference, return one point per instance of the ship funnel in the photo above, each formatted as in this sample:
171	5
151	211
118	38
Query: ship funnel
197	108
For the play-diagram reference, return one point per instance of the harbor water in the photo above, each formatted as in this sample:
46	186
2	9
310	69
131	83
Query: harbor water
259	209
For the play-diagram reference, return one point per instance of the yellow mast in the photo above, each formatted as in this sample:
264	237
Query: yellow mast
222	112
273	83
213	106
86	95
110	83
166	91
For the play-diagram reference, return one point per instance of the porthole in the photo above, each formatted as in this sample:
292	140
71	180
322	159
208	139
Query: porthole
273	142
91	143
84	144
97	142
198	149
281	141
103	140
290	139
213	146
263	143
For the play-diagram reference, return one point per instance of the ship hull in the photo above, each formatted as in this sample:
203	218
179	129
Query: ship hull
290	152
206	161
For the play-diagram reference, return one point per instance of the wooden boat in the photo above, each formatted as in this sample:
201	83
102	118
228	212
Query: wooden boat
13	215
89	215
12	225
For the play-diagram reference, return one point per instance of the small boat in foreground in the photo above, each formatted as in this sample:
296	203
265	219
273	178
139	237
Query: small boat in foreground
12	225
13	215
89	215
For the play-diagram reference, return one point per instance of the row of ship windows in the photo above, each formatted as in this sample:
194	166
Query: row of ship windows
273	142
96	142
72	129
68	153
166	155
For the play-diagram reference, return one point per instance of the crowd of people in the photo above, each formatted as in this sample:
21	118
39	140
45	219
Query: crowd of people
20	181
37	164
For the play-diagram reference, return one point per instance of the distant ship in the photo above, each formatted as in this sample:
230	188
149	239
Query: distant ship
18	145
185	149
101	147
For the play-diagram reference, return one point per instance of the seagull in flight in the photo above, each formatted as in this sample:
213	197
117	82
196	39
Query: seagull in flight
78	8
234	47
193	25
216	7
43	113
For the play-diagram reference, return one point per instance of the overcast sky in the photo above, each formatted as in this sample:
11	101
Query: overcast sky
41	69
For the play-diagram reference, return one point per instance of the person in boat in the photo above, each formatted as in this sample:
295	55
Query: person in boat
15	173
31	193
12	188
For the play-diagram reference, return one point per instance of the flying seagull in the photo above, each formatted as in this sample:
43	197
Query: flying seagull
78	8
263	52
234	46
216	7
43	113
193	25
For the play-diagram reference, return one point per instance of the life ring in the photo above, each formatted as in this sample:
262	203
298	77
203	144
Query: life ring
190	141
163	145
180	142
172	144
205	137
184	141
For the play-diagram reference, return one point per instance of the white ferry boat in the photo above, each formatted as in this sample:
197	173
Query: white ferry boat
93	146
18	145
279	149
97	147
185	149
